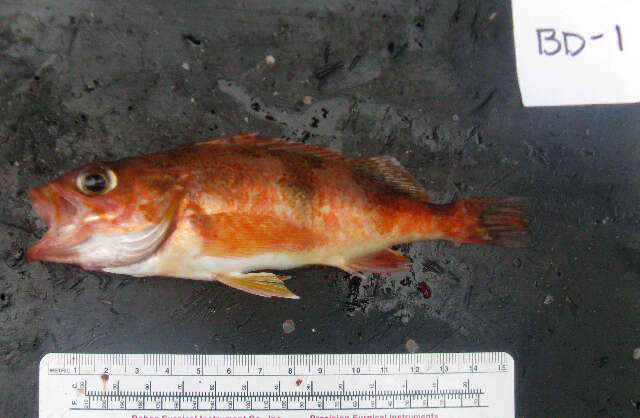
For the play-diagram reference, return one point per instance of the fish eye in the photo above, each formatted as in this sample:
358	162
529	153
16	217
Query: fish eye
96	181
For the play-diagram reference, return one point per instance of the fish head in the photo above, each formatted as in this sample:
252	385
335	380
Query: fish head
104	214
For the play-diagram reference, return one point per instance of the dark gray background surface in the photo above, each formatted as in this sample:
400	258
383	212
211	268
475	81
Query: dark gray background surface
432	83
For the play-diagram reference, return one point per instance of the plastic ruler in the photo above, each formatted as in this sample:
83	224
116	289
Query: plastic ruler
424	385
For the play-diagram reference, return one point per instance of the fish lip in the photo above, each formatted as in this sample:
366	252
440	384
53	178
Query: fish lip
49	248
42	205
57	211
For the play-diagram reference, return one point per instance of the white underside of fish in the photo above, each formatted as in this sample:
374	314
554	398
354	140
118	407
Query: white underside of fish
201	267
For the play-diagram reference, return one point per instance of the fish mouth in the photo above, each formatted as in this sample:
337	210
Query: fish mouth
93	245
58	213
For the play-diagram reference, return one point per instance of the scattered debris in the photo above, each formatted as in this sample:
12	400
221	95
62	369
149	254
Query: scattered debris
426	292
548	300
185	66
191	40
298	382
288	326
270	60
107	302
197	348
5	300
492	16
105	379
412	346
326	70
15	258
636	353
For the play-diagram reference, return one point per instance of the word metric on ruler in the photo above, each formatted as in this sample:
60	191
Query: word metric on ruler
576	52
356	385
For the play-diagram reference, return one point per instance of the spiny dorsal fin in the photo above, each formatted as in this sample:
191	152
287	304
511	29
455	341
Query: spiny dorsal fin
388	172
273	144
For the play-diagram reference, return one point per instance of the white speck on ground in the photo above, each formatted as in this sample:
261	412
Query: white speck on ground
270	60
288	326
412	346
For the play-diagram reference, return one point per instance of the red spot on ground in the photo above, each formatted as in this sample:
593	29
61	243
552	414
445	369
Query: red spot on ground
298	382
426	292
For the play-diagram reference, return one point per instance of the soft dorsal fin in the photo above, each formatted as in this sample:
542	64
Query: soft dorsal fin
273	144
388	172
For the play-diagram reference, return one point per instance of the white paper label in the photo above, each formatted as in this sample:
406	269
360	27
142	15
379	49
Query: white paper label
577	52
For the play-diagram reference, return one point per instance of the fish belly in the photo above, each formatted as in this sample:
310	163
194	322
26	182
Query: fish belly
185	263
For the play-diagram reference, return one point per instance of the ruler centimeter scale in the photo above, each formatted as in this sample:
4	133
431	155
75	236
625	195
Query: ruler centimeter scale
426	385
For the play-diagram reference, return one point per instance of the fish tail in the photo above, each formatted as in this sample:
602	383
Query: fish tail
500	221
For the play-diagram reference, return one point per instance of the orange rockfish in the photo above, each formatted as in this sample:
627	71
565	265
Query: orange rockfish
226	208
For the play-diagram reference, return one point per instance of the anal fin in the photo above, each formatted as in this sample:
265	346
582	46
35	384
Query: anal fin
380	262
260	284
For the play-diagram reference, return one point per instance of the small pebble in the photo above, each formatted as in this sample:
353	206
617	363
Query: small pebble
185	66
288	326
548	300
307	100
270	60
516	262
636	353
492	16
412	346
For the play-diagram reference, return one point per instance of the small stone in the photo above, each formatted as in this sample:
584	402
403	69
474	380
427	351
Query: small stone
636	353
516	262
185	66
455	118
288	326
270	60
412	346
548	300
307	100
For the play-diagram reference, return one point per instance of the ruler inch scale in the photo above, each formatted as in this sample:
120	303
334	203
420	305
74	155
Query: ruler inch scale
421	385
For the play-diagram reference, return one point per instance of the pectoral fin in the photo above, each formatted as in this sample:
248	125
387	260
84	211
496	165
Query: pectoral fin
260	284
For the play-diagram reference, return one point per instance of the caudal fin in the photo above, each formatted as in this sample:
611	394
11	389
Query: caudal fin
500	221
